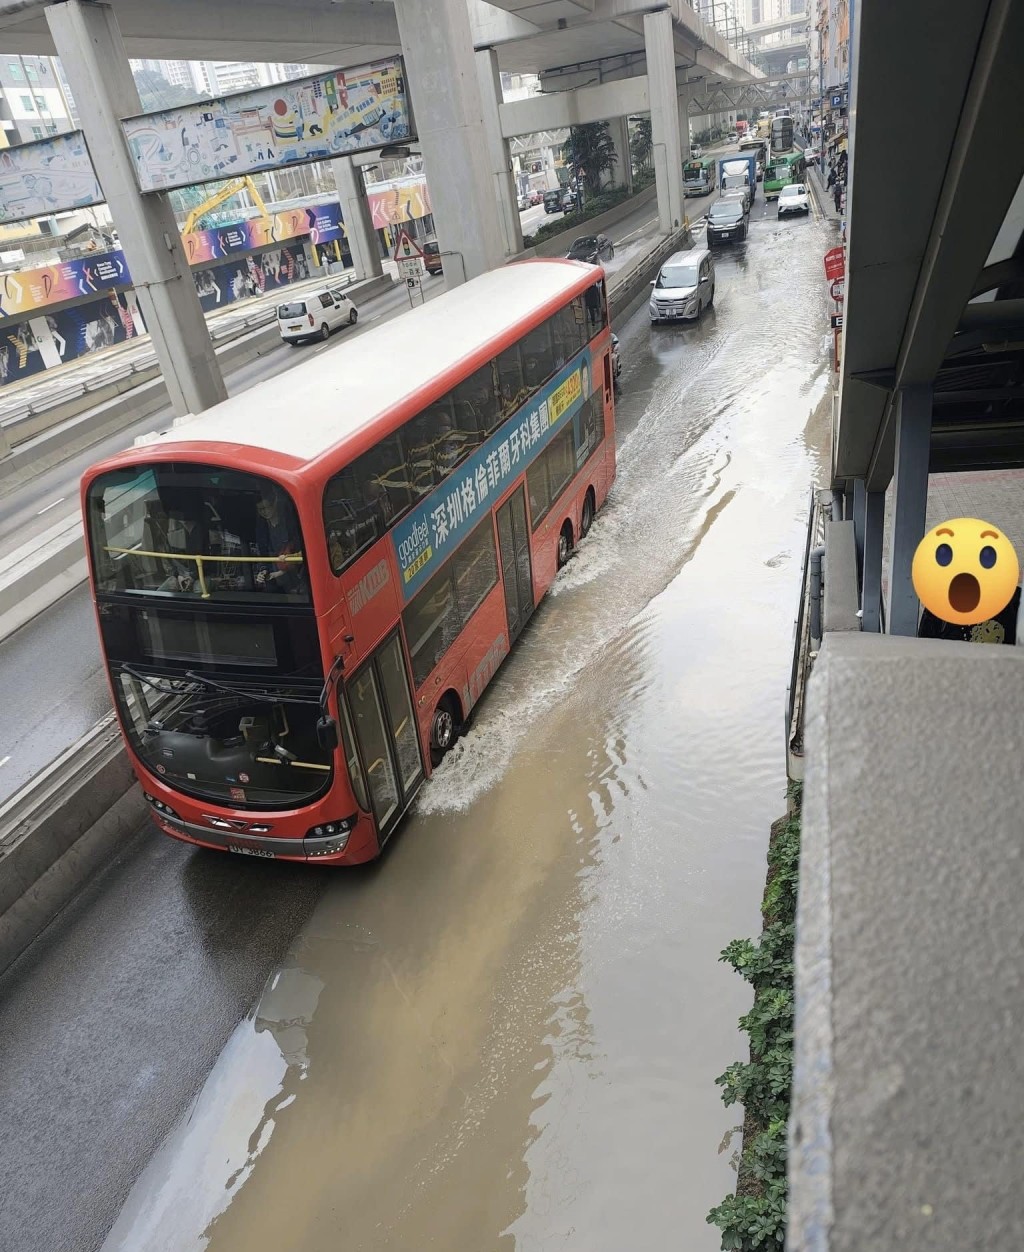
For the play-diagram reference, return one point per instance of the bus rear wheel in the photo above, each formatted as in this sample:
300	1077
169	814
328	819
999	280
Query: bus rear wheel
587	517
564	543
444	730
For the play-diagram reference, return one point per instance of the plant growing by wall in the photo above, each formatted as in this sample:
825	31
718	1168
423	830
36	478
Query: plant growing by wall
755	1217
641	144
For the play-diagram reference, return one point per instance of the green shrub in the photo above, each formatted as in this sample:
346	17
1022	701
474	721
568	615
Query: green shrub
755	1217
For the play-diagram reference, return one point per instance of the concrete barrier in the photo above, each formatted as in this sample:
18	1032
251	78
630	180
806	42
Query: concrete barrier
558	245
69	820
56	833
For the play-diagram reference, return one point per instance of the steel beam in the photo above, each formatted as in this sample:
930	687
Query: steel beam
872	526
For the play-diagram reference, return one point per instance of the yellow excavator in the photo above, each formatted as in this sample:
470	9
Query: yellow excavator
226	191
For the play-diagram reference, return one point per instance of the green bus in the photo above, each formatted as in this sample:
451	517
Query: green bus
784	168
699	176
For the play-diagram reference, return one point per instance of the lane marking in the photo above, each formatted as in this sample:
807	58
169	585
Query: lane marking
4	761
39	514
639	230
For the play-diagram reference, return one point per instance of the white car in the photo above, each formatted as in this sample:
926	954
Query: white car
314	315
794	199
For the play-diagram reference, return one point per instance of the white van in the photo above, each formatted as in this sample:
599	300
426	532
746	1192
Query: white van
685	287
314	315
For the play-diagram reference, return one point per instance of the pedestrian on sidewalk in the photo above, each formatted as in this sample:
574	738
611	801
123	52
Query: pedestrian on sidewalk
837	194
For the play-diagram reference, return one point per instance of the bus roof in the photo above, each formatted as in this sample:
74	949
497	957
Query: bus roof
305	412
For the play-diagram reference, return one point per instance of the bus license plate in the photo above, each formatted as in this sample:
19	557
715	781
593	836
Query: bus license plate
237	847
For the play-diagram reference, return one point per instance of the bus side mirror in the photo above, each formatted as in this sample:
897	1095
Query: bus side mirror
327	733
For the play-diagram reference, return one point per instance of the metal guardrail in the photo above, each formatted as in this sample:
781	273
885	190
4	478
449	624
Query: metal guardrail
801	661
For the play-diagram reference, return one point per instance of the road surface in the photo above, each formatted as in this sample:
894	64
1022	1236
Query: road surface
505	1034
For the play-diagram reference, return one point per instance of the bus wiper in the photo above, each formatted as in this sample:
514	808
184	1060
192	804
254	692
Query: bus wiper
246	694
167	686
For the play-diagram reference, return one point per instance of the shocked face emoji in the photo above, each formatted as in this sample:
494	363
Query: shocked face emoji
965	571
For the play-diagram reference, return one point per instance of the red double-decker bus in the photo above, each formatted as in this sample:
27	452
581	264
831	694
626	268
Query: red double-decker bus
303	592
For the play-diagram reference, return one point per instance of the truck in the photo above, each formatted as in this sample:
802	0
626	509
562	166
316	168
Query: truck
738	170
741	128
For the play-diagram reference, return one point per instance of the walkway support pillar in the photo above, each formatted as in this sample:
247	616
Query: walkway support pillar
448	114
499	157
622	174
687	92
910	503
664	100
90	48
355	213
871	567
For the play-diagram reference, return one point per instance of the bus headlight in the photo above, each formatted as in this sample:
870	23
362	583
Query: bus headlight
328	838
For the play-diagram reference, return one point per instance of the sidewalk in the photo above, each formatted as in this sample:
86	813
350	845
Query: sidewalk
826	203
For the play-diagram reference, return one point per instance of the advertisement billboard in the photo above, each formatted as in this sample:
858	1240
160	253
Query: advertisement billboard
249	276
321	223
27	290
47	177
399	203
310	119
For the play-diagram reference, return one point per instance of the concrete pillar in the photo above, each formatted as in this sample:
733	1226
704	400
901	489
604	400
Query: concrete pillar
910	502
355	213
622	174
499	158
661	84
687	92
89	45
448	117
871	568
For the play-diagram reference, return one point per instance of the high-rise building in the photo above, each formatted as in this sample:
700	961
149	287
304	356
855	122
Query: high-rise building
32	101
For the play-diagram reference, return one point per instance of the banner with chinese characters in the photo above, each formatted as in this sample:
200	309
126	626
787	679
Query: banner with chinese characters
436	527
309	119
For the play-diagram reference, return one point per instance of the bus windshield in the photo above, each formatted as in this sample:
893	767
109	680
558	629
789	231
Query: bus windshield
244	746
177	530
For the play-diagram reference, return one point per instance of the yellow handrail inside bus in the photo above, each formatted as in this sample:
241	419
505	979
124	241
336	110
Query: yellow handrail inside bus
273	760
291	558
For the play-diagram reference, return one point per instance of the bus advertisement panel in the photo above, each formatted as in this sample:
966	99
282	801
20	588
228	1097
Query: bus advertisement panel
298	616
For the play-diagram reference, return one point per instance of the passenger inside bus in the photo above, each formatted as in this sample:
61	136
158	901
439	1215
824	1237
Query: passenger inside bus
274	537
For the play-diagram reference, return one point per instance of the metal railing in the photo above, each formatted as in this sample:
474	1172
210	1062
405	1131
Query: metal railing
800	664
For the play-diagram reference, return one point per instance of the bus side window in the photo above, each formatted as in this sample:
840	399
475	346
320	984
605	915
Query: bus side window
475	405
568	333
510	380
364	499
538	356
596	318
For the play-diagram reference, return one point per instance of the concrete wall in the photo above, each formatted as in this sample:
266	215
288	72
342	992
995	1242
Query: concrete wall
907	1118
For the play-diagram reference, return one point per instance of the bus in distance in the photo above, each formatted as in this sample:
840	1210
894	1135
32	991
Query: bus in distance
781	135
303	592
700	176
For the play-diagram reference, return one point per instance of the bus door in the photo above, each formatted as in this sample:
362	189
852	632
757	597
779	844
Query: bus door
516	571
385	732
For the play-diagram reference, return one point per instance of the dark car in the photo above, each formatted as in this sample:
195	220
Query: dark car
592	248
552	201
726	220
432	257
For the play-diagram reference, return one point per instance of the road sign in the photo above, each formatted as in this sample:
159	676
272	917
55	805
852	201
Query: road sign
409	269
405	248
837	321
835	263
837	289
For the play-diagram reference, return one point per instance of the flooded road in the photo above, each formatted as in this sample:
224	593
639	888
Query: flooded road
505	1035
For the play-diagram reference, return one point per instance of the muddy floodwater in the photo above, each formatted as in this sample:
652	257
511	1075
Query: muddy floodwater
505	1035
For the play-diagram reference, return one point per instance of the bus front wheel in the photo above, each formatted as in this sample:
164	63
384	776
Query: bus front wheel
444	729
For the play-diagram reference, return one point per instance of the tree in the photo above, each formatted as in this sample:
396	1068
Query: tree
641	145
589	152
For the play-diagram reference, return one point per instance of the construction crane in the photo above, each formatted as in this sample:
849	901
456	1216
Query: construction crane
226	191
